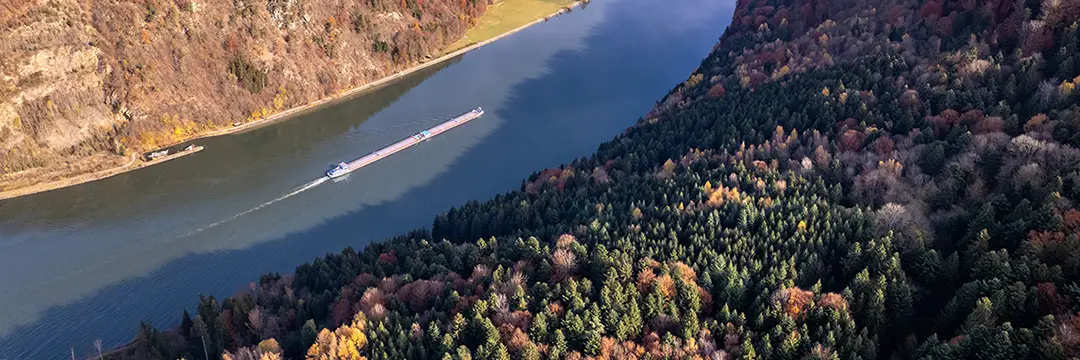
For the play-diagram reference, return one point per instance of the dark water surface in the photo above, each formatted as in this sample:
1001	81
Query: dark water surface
91	261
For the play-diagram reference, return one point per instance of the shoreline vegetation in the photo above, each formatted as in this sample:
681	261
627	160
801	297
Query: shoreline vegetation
499	16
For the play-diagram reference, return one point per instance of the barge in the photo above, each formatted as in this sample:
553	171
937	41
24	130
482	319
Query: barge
343	168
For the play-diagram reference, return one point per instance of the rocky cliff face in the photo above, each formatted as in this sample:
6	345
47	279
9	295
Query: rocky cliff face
80	79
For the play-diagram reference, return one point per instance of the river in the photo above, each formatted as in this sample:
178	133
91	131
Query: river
92	261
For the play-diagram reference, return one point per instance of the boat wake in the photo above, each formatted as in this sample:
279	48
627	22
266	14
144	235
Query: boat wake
307	186
296	191
355	164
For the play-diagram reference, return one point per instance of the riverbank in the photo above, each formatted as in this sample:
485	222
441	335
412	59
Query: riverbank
499	16
494	12
133	164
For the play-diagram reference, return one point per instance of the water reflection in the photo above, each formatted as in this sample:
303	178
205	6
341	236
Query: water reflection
552	93
129	224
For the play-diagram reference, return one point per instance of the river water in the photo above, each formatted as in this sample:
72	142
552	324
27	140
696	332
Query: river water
92	261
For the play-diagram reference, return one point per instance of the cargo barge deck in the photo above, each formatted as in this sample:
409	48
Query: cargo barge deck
344	168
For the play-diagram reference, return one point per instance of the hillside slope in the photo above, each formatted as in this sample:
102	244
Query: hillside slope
841	179
82	83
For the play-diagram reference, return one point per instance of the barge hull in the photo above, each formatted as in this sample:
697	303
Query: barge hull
411	140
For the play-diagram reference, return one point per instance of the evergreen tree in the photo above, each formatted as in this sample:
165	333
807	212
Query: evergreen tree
558	345
594	331
463	353
747	350
538	330
203	333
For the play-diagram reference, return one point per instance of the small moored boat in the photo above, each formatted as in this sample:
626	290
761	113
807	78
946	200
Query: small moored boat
157	154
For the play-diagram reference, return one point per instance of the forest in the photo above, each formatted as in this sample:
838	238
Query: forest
844	179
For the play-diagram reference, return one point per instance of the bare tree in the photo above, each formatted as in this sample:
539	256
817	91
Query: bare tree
907	223
565	262
1046	95
97	345
255	321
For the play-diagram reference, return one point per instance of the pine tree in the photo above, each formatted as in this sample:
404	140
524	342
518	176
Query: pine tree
981	316
489	332
689	302
448	342
530	352
594	331
748	352
519	299
500	353
433	338
632	322
457	325
201	331
575	327
612	301
654	304
463	353
185	325
558	345
538	330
